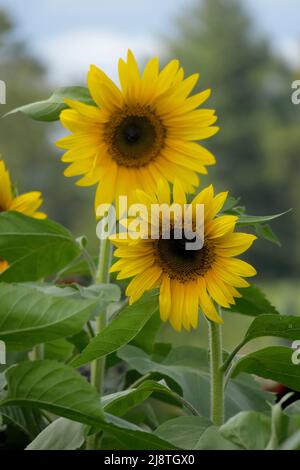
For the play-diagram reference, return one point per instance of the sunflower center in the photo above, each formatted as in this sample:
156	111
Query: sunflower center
181	263
135	137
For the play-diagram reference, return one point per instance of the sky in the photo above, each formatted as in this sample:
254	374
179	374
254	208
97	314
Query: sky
69	35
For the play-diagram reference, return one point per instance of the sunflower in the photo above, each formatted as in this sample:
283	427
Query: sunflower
188	279
27	203
138	133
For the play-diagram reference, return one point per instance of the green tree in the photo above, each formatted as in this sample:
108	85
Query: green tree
258	144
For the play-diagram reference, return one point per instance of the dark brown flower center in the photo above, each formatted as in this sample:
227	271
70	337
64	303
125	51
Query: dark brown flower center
135	137
181	263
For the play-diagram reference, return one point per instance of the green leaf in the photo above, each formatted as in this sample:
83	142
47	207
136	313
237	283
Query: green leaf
133	437
281	326
58	349
54	387
29	421
188	367
273	363
184	432
61	434
265	231
119	403
145	339
249	430
29	317
253	302
120	331
61	390
292	442
258	219
79	267
211	439
34	248
50	109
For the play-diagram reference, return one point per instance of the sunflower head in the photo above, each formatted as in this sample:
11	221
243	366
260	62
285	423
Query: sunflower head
139	133
27	203
187	278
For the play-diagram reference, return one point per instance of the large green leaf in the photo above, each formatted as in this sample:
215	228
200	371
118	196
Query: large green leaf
29	421
253	302
188	367
273	363
61	434
120	331
50	109
29	316
248	430
34	248
281	326
61	390
184	432
54	387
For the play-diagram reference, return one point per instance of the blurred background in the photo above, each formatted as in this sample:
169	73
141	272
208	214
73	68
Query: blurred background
247	51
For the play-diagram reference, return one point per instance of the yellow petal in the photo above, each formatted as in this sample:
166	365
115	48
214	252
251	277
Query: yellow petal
239	267
143	282
220	226
163	192
27	203
104	92
5	187
165	298
206	303
106	189
177	295
178	193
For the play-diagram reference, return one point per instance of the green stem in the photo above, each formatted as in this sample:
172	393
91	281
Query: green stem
216	373
98	366
102	277
232	355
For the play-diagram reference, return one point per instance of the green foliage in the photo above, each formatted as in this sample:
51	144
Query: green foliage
184	432
29	317
54	387
50	109
273	363
61	434
34	248
188	367
153	395
120	331
253	302
249	430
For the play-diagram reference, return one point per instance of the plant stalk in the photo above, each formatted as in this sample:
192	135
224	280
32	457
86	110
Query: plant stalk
98	366
102	277
216	373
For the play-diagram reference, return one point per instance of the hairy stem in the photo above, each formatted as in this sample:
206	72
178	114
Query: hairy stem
216	373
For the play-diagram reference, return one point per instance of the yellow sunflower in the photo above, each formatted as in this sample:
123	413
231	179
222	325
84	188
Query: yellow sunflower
27	203
188	279
138	133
